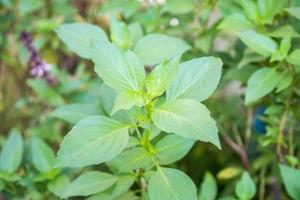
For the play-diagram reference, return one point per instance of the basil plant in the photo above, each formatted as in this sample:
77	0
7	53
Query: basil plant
150	114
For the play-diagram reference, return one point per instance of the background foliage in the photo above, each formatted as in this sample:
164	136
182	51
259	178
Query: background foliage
45	89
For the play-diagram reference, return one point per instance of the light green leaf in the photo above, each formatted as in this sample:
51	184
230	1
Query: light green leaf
261	82
131	159
294	11
58	185
285	81
294	57
282	52
179	7
248	58
268	9
236	21
187	118
245	188
136	31
284	31
251	10
155	48
291	179
81	37
228	173
196	79
161	77
43	157
172	148
120	34
92	140
90	183
72	113
257	42
127	99
119	69
12	152
208	189
171	184
122	185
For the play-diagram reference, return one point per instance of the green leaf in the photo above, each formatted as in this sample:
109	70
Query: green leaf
12	152
127	99
179	7
58	185
291	179
92	140
228	173
294	11
257	42
122	185
282	52
81	37
294	57
268	9
251	10
161	77
208	189
248	58
119	69
90	183
72	113
245	188
43	157
196	79
236	21
261	82
187	118
136	31
172	148
170	184
155	48
120	34
284	31
131	159
285	81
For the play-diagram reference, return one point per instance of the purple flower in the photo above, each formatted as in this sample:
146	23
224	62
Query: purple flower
37	67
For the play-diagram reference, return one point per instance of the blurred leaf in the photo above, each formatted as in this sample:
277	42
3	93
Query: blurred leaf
291	179
172	148
229	173
269	8
236	21
43	157
245	188
261	82
72	113
170	184
179	7
120	34
136	31
196	79
294	57
58	185
294	11
251	10
29	6
187	114
122	185
155	48
284	31
88	183
81	37
285	81
257	42
12	152
208	189
104	139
